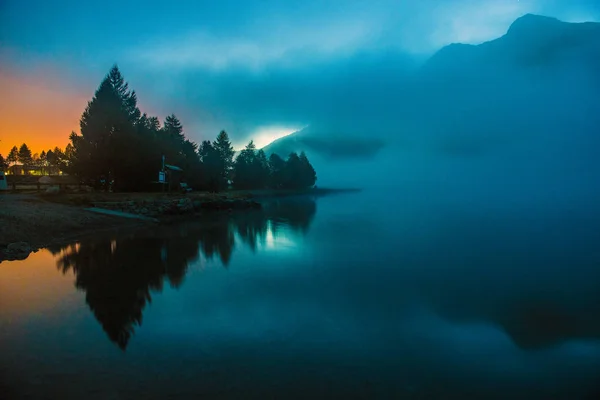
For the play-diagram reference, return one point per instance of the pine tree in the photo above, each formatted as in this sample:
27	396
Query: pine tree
68	157
211	164
172	141
308	176
3	164
276	171
59	158
100	122
243	170
13	156
261	170
110	147
225	151
51	160
128	98
25	157
173	128
35	161
297	173
43	162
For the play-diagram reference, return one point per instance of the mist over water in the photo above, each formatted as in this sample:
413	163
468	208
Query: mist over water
509	124
348	295
467	267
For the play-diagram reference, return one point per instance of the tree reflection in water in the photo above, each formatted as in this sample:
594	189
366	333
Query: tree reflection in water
119	274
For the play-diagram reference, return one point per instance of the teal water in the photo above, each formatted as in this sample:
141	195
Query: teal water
347	296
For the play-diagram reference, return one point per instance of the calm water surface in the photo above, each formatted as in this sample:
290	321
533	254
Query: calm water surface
351	296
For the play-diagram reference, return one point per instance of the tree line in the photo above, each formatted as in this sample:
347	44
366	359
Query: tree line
47	162
144	264
120	146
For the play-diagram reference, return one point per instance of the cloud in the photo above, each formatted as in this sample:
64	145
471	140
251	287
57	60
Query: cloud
201	49
266	65
307	62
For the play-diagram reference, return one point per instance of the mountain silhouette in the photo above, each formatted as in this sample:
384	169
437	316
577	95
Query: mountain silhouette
543	74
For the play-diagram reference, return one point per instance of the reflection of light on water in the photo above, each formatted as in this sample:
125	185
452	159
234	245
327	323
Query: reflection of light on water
69	250
113	246
277	238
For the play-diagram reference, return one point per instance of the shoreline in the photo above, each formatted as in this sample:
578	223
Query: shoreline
34	221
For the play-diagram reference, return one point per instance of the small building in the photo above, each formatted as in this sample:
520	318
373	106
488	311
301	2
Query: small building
173	176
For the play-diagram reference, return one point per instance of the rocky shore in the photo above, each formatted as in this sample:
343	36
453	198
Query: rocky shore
159	208
32	221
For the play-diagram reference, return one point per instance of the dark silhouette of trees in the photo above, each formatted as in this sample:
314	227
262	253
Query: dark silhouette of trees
296	214
13	156
242	170
3	164
121	149
25	157
252	170
211	167
54	160
225	151
294	173
113	146
50	158
120	276
217	239
307	174
276	171
43	162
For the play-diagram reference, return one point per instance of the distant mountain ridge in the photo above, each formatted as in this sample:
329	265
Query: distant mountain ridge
445	91
531	39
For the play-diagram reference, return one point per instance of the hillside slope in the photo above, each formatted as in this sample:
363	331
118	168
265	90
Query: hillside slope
538	82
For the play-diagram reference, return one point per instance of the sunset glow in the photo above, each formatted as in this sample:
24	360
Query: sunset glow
35	108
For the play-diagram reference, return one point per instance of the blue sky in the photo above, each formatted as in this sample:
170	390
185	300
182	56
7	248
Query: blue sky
249	67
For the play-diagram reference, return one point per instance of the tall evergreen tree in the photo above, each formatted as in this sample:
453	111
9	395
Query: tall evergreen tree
276	171
128	98
25	157
308	176
59	159
293	167
211	164
3	164
243	173
261	168
225	151
51	158
103	119
68	156
13	156
36	162
174	128
172	141
251	169
43	162
111	147
299	173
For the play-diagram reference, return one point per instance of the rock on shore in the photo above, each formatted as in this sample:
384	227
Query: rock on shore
17	251
167	207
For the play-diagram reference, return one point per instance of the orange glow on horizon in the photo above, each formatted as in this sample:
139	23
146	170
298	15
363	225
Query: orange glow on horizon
38	109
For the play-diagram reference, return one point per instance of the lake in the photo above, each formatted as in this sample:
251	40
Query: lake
346	296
